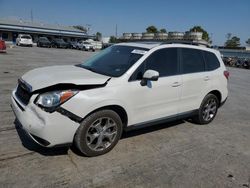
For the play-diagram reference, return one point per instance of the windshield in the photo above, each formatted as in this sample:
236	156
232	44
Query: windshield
26	37
43	39
114	61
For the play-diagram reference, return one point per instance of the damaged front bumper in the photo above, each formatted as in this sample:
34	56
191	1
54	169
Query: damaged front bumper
46	129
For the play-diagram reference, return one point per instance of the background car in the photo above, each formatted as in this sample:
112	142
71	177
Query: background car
43	42
83	45
2	46
72	44
24	40
59	43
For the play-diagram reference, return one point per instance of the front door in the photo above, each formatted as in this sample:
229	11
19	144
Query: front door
158	99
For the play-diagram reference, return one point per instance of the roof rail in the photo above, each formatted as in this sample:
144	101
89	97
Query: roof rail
191	42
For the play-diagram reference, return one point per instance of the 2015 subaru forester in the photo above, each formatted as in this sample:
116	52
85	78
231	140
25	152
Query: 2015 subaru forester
123	86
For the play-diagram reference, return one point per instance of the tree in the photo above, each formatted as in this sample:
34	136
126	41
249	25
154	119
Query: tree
112	39
163	30
248	41
151	29
205	35
228	36
233	42
80	27
98	36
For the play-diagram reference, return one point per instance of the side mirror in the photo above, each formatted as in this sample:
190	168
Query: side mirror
149	75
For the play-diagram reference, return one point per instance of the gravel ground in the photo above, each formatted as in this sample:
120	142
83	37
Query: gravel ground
179	154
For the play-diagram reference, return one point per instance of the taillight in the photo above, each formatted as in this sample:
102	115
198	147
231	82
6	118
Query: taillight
226	74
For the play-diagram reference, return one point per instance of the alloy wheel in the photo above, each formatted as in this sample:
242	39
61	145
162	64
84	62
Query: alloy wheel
209	110
101	134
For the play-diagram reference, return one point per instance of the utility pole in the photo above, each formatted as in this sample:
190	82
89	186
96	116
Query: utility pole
31	15
88	26
115	30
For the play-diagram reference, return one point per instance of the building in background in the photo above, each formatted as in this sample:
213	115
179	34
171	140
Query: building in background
9	30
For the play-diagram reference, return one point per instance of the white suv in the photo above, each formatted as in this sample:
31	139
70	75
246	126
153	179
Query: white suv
123	86
24	40
83	45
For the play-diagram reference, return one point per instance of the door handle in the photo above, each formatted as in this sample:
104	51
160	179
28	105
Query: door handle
176	84
206	78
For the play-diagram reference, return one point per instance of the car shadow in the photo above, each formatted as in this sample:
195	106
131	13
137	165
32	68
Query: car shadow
29	144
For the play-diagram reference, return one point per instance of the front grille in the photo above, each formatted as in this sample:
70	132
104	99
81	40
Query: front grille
22	93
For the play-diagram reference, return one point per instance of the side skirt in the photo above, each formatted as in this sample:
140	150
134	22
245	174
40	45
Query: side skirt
167	119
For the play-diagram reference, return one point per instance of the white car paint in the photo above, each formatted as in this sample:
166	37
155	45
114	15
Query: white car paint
166	97
67	74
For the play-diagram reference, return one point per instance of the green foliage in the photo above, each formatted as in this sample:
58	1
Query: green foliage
163	30
113	39
205	35
151	29
80	27
233	42
98	36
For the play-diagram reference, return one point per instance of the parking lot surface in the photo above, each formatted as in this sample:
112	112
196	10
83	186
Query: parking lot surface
179	154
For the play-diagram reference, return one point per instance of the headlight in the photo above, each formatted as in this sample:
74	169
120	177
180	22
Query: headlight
50	100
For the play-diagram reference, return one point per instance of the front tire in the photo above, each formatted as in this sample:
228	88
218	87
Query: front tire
207	110
98	133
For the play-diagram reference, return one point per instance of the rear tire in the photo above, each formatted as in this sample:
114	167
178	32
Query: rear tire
207	110
98	133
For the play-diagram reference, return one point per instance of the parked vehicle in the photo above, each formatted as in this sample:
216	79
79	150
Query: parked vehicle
237	62
44	42
72	44
83	45
59	43
2	46
24	40
246	64
124	86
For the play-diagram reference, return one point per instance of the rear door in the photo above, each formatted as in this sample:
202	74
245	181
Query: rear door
195	79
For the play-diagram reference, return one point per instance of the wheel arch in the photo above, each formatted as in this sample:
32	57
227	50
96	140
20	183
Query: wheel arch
217	94
116	108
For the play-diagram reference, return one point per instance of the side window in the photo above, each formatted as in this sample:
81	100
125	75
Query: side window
192	61
212	61
165	61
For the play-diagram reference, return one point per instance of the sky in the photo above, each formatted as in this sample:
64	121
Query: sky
217	17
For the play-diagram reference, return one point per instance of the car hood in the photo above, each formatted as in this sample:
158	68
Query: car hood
49	76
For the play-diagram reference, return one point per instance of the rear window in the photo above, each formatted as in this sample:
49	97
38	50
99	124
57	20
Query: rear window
25	37
192	61
59	40
212	61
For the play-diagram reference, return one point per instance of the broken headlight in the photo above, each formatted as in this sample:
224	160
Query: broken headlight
53	99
